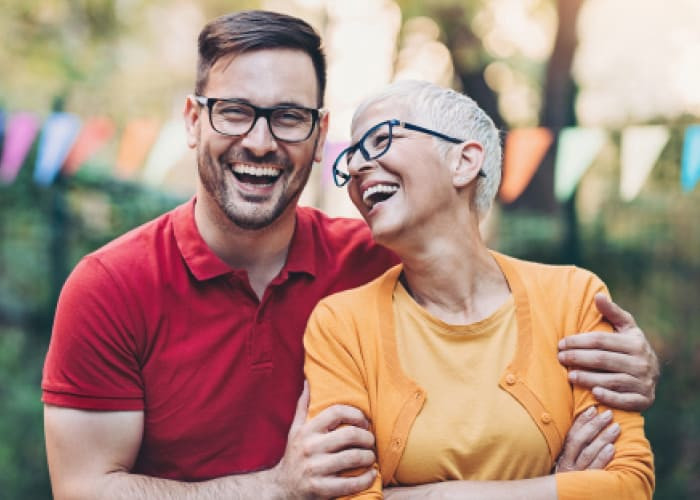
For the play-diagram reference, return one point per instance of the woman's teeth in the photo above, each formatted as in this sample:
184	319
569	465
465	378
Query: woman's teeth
378	193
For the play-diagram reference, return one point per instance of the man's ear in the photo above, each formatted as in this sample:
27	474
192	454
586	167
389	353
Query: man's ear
323	121
192	114
468	163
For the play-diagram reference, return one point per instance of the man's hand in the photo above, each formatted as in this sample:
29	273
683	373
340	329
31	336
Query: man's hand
589	442
621	369
336	440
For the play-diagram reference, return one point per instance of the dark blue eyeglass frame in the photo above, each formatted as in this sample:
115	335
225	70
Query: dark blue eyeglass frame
342	178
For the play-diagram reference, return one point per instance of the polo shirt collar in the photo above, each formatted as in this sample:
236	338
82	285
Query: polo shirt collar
205	264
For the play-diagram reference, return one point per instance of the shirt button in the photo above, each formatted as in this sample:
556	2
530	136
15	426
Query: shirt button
546	418
510	379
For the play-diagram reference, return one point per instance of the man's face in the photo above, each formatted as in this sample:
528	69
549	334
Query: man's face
255	178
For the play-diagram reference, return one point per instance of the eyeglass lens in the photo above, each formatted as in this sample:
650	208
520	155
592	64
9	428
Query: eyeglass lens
374	144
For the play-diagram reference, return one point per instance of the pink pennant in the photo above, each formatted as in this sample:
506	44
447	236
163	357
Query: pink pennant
19	136
331	150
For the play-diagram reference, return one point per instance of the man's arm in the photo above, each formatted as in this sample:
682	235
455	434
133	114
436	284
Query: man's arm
621	369
90	455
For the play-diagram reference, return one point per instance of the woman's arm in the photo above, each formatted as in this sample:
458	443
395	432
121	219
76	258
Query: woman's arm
335	377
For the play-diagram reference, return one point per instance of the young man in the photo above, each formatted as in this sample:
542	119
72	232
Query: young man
176	357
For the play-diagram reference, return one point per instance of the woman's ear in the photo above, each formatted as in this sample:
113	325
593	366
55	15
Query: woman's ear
468	164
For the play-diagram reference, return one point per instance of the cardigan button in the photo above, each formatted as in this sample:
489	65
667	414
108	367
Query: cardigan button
546	418
510	379
396	443
417	395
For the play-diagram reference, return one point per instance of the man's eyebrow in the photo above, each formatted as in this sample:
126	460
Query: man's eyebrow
282	104
294	104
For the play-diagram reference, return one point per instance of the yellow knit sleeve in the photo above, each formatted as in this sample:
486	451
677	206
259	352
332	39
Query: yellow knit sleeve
335	371
630	475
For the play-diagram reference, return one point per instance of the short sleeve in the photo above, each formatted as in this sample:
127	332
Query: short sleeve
92	361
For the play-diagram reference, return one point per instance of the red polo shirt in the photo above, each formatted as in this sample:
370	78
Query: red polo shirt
154	321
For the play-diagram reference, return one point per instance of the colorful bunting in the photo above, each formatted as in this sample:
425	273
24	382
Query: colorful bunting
19	137
94	134
136	141
64	144
576	150
2	124
524	150
690	162
57	136
640	148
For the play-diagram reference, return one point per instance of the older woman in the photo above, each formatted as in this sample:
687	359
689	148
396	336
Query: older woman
453	354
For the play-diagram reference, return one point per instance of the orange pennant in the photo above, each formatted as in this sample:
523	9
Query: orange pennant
95	133
524	150
139	135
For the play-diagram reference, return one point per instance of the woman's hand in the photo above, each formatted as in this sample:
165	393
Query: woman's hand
589	442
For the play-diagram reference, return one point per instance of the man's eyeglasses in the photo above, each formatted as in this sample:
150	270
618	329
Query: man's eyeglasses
377	142
236	117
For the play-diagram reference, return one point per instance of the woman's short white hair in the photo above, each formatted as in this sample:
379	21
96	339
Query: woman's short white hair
453	114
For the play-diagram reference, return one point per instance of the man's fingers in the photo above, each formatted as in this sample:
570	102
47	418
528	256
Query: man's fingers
629	401
588	359
335	463
618	382
628	344
338	486
301	410
339	439
617	316
337	415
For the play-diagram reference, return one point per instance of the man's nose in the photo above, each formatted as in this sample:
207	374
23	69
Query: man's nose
259	139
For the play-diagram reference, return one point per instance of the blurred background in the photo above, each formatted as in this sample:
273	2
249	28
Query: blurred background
597	101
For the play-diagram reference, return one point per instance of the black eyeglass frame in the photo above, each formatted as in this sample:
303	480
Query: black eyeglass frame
341	178
259	111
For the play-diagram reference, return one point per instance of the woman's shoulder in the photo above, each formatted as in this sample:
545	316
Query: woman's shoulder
366	294
548	276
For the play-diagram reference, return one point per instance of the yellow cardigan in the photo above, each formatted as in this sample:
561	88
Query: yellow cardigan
351	358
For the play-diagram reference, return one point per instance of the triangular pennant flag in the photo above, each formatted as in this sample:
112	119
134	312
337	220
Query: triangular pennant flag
19	137
57	137
94	134
576	150
168	149
524	150
331	150
640	148
136	141
690	162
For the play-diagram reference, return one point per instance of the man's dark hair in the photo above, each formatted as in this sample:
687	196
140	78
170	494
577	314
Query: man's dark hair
250	30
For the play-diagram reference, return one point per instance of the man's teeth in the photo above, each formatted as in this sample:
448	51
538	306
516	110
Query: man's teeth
257	171
377	188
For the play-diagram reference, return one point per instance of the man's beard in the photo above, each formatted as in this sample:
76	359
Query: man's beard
257	217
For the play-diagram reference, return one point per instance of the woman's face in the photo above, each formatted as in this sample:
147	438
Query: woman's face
407	188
